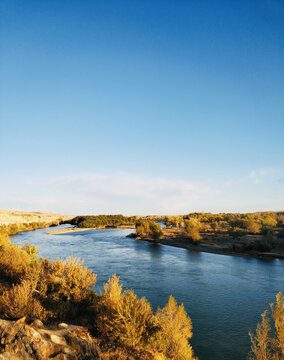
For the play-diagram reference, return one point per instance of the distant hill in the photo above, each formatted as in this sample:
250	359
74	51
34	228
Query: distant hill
14	217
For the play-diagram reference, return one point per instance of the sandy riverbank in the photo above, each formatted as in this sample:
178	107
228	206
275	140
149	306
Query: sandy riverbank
76	229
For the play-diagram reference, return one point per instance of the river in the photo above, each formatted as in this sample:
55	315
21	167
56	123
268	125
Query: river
223	295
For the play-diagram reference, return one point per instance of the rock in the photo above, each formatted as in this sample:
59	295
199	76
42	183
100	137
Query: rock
57	340
21	320
37	324
60	356
24	342
62	326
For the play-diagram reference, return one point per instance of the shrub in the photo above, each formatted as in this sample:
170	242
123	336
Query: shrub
150	228
174	221
64	287
269	221
175	331
31	250
192	227
76	280
14	302
14	263
252	226
268	343
123	317
4	239
155	230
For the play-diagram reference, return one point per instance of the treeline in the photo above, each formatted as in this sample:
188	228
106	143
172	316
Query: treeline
55	291
267	224
14	228
250	222
103	221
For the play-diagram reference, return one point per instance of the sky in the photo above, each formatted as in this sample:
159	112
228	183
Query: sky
142	106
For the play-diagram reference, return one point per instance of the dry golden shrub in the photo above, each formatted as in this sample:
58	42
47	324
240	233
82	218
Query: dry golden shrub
14	302
192	228
268	343
123	317
14	262
36	311
65	280
4	239
175	331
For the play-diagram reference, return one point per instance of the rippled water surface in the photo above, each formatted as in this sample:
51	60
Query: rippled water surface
223	295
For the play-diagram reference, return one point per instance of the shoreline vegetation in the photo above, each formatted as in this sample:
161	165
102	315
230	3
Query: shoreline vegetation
259	234
41	298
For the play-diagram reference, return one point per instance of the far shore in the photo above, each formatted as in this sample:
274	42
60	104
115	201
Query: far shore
218	249
222	244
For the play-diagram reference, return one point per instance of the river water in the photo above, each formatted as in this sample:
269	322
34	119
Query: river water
223	295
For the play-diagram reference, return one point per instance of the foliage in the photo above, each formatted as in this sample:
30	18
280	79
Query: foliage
64	287
252	226
31	250
267	342
123	317
102	221
14	302
175	331
14	262
192	227
174	221
148	228
268	220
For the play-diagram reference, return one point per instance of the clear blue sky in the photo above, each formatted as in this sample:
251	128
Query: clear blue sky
145	106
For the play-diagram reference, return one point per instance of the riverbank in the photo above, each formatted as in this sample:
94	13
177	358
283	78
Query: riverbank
77	229
217	244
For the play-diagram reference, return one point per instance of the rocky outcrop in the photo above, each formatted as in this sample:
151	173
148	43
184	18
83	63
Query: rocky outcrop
19	341
29	342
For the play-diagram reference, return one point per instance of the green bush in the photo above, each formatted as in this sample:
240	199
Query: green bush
101	221
148	228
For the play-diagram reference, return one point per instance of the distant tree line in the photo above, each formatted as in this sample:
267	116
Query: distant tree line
103	221
14	228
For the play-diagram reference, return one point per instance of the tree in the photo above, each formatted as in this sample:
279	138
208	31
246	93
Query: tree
252	226
123	317
192	227
175	331
150	228
269	221
267	342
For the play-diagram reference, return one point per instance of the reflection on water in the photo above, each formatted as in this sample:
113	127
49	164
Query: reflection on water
224	295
